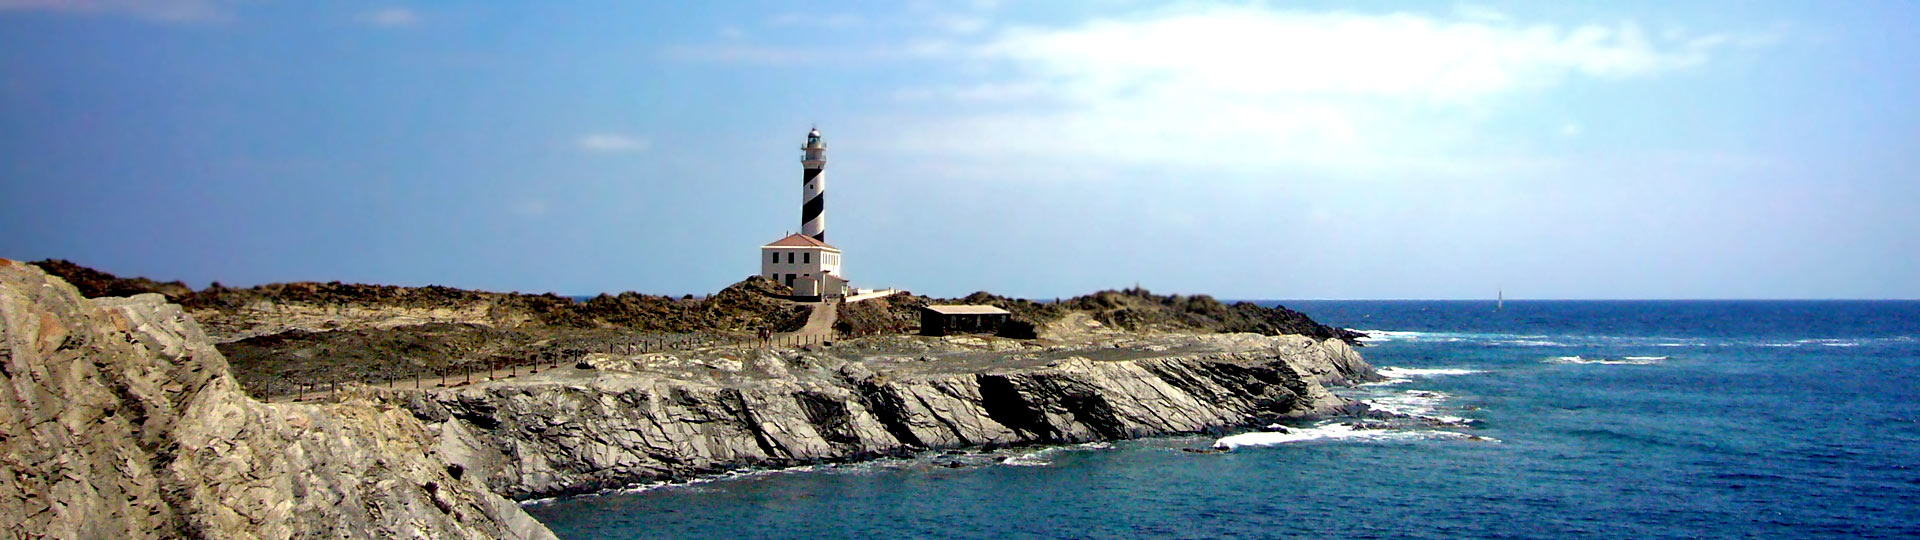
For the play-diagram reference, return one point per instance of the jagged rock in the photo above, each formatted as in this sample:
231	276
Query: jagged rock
119	420
94	283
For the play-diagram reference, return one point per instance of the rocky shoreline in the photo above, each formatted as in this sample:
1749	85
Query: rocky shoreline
675	417
131	423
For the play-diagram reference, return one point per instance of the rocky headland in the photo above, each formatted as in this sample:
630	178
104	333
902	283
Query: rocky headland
118	419
132	421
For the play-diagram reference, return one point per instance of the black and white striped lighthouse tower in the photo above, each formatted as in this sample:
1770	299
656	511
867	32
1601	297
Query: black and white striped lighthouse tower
813	197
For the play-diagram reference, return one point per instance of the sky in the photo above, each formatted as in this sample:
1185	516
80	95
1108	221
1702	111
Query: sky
1286	150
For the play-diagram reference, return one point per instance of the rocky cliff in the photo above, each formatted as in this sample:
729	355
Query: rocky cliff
664	417
119	420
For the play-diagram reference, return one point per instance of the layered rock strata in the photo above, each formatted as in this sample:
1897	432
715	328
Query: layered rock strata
119	420
665	417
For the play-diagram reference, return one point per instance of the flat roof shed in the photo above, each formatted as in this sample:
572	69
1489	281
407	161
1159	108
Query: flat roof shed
961	319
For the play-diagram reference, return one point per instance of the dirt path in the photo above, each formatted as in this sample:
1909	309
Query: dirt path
819	323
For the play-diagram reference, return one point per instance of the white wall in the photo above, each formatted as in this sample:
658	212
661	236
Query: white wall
815	266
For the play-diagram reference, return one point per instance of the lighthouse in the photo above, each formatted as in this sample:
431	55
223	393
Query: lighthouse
804	260
813	193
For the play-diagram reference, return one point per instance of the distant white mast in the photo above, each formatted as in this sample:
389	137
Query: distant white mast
1500	300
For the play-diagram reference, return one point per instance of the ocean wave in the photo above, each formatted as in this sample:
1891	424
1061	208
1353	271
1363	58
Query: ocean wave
1422	405
1622	361
1375	336
1529	343
1044	457
1396	372
1378	336
1337	432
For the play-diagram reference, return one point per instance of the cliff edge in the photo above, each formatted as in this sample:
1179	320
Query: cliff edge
662	417
118	419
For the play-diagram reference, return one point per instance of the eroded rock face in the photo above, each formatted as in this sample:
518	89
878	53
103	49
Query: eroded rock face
587	430
119	420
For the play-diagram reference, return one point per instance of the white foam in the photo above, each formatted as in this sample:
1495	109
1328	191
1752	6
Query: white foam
1388	335
1623	361
1420	404
1044	456
1529	343
1333	432
1036	459
1397	372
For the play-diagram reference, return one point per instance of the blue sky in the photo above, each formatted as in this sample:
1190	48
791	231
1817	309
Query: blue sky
1246	150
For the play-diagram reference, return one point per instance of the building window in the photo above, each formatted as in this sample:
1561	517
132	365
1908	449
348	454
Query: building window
776	257
789	257
806	258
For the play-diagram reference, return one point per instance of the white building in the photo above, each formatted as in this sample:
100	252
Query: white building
808	265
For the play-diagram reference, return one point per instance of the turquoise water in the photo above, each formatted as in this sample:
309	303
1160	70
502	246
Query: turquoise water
1587	420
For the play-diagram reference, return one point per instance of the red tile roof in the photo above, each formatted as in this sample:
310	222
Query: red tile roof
799	240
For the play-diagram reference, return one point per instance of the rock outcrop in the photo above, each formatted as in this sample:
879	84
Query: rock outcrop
119	420
1133	310
572	431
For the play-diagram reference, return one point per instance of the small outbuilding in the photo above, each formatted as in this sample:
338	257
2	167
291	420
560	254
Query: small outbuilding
961	319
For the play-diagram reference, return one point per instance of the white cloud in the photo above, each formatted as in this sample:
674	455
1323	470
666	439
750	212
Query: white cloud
393	17
154	10
1254	51
611	143
1258	86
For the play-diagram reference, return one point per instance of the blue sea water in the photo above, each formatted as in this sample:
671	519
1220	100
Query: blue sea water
1699	419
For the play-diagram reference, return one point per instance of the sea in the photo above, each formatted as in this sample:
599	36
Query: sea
1538	419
